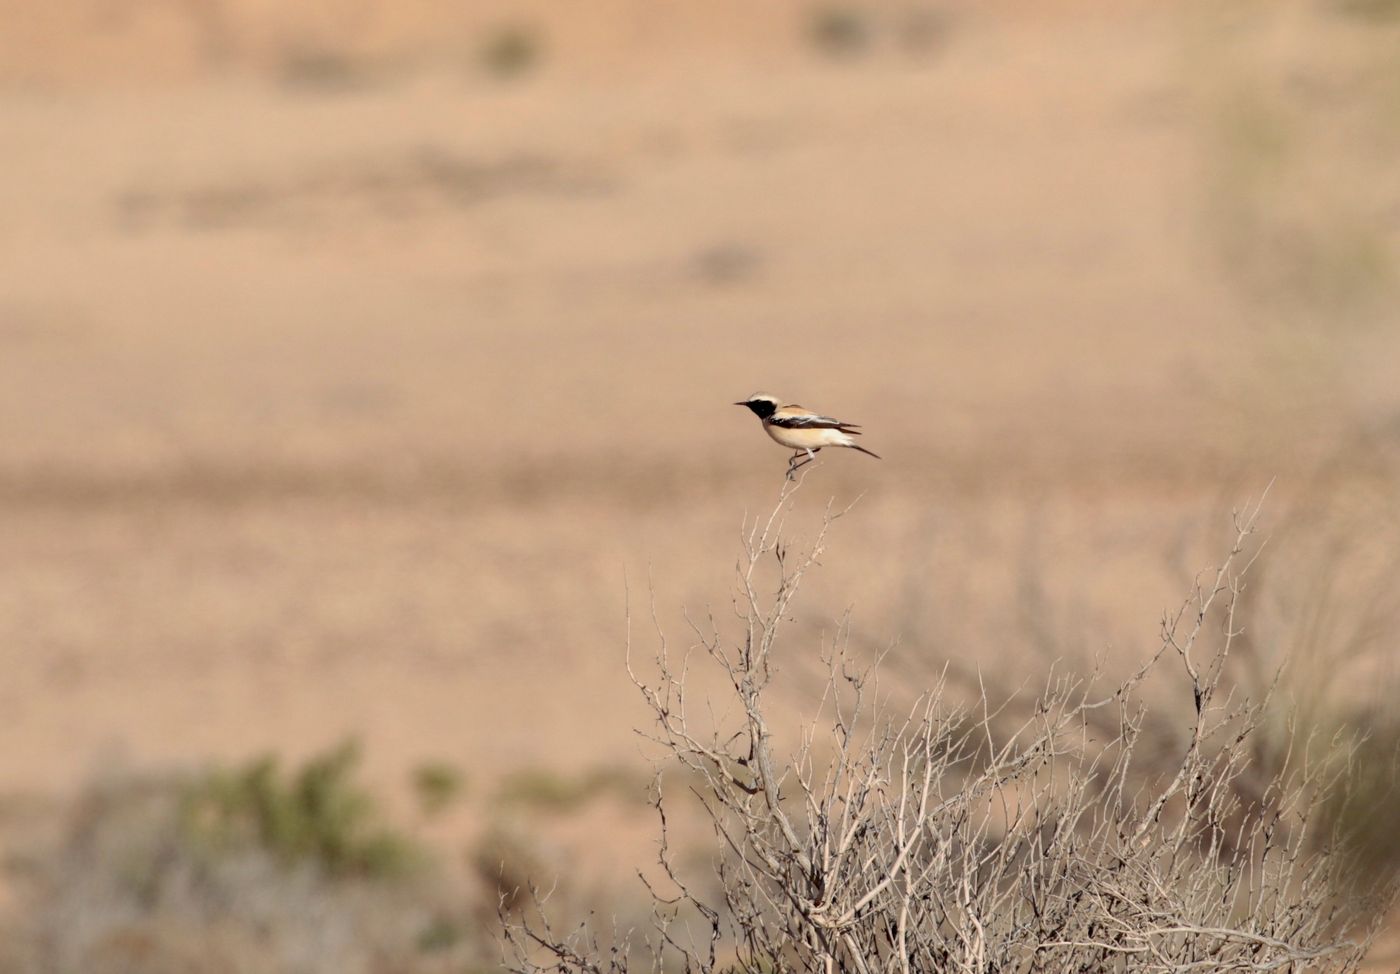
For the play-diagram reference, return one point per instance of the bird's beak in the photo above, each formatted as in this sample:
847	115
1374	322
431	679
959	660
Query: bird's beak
741	404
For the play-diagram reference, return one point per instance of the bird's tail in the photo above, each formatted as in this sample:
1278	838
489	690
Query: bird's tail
862	449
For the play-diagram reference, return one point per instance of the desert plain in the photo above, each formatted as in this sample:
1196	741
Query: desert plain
359	367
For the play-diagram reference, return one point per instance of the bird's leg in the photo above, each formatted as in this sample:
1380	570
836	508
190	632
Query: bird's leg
792	461
793	465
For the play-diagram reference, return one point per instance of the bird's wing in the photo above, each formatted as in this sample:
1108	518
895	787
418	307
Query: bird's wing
797	418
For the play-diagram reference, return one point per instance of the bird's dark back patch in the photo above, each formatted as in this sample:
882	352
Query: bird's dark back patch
812	423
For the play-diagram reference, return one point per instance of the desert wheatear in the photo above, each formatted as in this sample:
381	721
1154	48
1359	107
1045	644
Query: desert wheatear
801	429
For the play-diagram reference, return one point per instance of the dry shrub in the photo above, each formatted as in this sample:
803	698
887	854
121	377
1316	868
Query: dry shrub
1003	835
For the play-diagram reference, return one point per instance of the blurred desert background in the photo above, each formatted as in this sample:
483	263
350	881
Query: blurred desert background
358	359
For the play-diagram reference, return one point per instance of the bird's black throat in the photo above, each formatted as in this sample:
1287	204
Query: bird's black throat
762	408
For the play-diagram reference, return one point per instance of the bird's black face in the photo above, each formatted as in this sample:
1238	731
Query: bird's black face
762	408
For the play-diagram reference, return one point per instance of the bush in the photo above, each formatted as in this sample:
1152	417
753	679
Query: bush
542	790
1017	834
233	872
510	52
840	31
317	814
437	786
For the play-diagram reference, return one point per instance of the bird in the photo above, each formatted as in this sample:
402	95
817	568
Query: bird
801	430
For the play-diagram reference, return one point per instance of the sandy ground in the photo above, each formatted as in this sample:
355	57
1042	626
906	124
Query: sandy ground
346	407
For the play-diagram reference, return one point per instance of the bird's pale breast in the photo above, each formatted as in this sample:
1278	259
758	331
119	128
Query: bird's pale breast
806	439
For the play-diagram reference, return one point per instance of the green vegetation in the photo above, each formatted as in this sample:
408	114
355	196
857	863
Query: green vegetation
440	934
437	786
317	813
544	790
258	867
